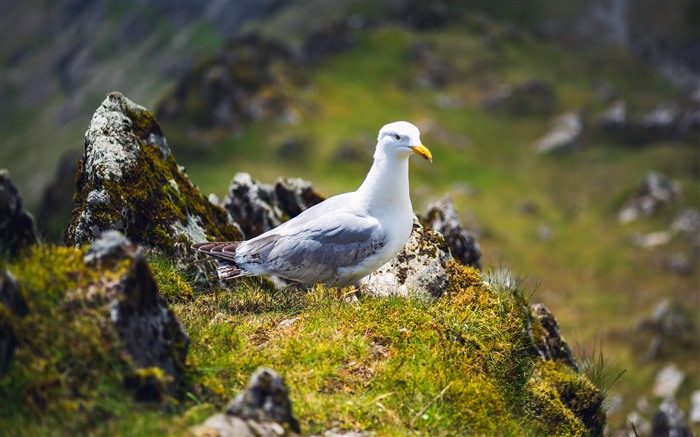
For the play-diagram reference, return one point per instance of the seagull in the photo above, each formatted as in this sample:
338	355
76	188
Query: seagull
344	238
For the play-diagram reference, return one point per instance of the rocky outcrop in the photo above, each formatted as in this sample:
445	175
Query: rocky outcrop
259	207
16	223
128	180
93	318
263	409
547	339
442	217
150	333
655	191
564	136
419	271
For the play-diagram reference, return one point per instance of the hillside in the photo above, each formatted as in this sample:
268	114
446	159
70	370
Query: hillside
483	91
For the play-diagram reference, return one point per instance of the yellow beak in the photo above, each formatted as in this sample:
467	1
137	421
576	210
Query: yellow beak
422	151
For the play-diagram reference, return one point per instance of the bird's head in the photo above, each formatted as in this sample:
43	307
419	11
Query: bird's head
401	138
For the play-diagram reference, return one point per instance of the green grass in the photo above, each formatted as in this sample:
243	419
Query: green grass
461	364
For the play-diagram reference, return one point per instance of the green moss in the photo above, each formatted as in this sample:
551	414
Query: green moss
66	361
459	365
152	196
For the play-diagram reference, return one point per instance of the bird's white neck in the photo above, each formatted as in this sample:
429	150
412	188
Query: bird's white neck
386	184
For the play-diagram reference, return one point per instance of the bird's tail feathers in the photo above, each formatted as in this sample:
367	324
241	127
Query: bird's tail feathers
224	252
229	270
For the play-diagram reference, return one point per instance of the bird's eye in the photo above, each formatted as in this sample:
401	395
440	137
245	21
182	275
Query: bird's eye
397	136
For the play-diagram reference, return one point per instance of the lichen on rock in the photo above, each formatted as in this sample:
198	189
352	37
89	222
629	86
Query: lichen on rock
259	207
128	180
418	271
89	320
442	217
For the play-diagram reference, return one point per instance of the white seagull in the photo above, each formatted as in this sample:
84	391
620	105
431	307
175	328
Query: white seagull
344	238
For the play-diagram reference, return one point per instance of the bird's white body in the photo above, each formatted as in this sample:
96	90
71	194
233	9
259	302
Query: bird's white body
345	237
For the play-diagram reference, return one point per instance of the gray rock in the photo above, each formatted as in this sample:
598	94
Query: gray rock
695	407
149	331
548	341
433	71
660	122
669	421
266	398
665	332
263	409
652	239
679	264
442	217
146	327
14	307
110	248
688	221
334	38
418	271
16	223
533	96
564	136
653	193
615	119
129	181
667	382
259	207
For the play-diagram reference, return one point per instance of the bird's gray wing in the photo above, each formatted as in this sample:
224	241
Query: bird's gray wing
315	250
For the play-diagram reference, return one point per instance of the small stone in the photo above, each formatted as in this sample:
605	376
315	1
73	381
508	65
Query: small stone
654	192
669	420
265	398
614	120
543	232
652	239
678	264
695	407
667	381
564	135
641	425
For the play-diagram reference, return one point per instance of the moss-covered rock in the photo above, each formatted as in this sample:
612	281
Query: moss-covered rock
92	330
442	216
128	180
